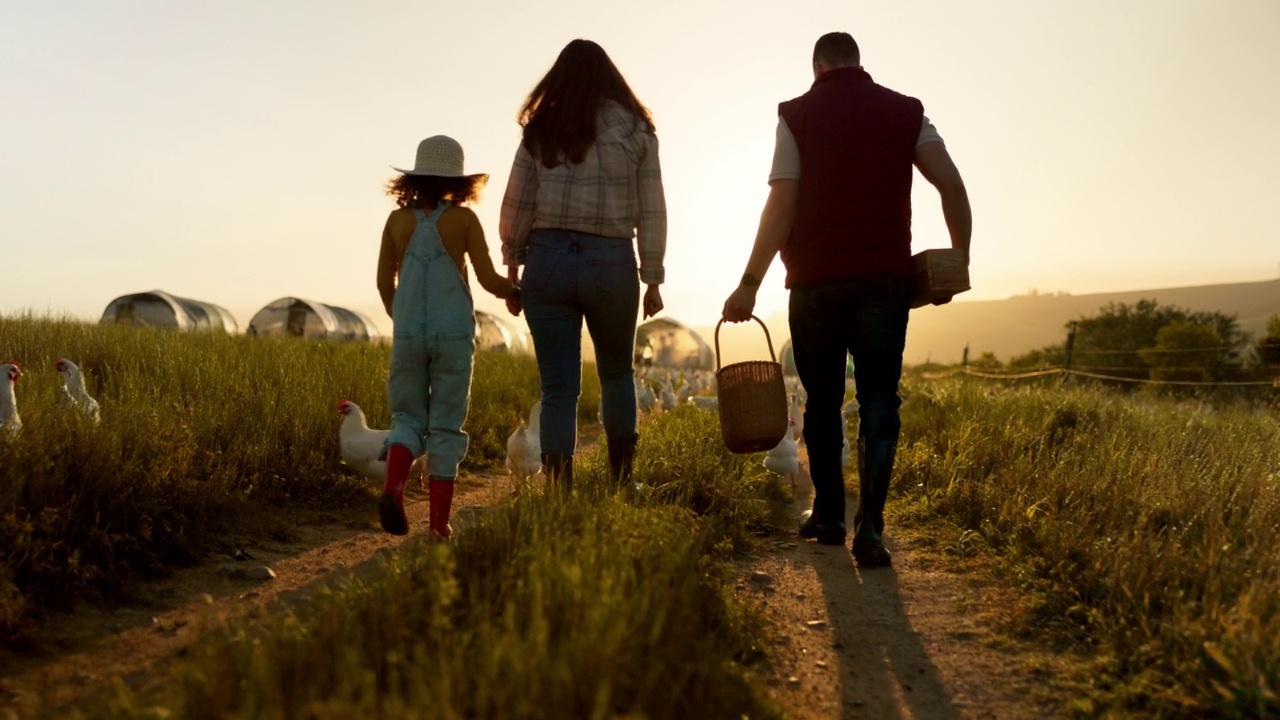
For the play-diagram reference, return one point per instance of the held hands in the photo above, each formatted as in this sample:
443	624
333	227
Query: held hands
514	303
652	302
740	305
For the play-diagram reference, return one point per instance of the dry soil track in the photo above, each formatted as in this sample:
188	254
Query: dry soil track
912	641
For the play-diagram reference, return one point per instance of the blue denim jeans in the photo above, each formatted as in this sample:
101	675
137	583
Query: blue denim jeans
570	277
865	317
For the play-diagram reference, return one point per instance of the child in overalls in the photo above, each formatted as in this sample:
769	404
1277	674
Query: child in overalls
422	277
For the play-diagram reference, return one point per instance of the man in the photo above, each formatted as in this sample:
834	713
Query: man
839	210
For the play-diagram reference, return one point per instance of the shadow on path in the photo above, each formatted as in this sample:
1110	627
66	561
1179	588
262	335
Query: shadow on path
885	672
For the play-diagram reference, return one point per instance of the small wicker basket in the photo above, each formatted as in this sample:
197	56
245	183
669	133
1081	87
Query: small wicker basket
752	400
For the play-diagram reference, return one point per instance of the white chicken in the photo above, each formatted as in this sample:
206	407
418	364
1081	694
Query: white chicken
784	458
850	409
705	402
668	395
645	398
360	446
73	393
796	410
10	422
524	449
684	392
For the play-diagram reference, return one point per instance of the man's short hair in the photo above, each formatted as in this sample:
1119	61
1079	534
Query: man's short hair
837	49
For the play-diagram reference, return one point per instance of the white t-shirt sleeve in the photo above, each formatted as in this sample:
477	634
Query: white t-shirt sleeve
786	153
928	133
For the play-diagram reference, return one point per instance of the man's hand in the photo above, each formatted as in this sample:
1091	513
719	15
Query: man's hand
652	301
740	304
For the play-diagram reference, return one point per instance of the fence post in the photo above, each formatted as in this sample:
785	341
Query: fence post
1070	346
965	361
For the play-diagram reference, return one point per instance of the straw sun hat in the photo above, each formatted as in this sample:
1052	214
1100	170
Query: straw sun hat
441	156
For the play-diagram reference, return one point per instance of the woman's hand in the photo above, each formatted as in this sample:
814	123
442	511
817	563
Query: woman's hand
652	301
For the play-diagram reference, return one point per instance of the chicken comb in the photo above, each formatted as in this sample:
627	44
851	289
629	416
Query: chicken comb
342	402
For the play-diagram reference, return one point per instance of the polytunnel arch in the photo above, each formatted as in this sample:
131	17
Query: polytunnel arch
665	342
158	308
302	318
494	333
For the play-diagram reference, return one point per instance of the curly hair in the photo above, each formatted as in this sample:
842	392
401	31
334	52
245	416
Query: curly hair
429	190
559	116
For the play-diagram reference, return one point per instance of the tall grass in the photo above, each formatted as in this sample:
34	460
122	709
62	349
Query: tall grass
1149	529
592	606
199	432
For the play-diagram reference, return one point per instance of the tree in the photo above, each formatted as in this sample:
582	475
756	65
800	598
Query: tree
1111	342
1269	346
1187	351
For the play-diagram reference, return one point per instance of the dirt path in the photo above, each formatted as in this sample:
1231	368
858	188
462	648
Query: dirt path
911	641
88	648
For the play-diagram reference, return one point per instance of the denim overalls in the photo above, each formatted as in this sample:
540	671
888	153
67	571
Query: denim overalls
433	342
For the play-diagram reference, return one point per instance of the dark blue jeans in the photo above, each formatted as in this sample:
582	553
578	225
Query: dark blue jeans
865	317
570	277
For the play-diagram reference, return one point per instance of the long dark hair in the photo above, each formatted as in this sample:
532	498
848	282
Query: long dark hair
429	190
559	116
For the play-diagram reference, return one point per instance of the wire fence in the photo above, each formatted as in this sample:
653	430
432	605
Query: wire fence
1067	372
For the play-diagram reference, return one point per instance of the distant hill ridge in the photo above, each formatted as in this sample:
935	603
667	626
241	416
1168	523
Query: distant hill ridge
1019	324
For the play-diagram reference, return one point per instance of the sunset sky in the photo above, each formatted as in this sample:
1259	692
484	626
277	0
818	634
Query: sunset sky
235	151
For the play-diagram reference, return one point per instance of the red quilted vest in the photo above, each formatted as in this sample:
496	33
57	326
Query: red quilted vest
857	145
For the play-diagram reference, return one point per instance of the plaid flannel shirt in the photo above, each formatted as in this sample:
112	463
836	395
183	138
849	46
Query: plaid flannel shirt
616	191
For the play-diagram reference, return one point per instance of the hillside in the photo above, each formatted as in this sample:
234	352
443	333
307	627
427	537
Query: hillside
1018	324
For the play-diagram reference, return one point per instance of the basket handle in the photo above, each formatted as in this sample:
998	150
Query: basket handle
767	339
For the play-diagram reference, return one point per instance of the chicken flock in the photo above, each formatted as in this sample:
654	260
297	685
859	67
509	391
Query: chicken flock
363	449
72	394
658	390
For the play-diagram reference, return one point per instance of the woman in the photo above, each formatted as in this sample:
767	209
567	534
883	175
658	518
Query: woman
585	181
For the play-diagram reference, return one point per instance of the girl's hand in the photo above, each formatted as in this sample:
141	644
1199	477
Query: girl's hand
652	301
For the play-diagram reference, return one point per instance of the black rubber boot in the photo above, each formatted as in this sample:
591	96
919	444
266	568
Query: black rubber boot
559	472
622	456
825	522
873	491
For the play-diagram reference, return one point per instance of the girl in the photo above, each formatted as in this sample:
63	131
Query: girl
422	277
585	181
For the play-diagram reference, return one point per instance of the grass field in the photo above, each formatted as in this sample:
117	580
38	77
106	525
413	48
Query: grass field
1143	530
597	606
202	436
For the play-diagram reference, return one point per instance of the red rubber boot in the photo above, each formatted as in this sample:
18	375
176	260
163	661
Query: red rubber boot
440	493
391	507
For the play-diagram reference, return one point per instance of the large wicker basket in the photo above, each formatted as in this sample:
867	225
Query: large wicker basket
752	400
